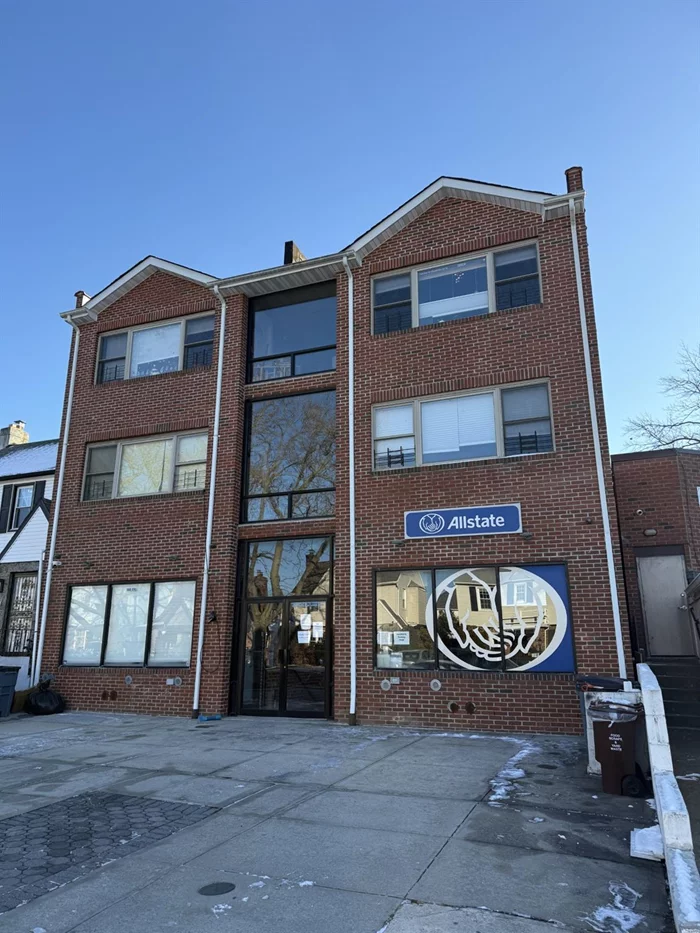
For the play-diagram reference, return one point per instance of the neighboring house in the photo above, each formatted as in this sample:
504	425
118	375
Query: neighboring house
26	487
411	472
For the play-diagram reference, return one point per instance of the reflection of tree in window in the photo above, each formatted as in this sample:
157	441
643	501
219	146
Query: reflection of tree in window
146	468
85	624
291	450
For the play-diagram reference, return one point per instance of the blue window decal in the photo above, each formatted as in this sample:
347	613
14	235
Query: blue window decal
513	618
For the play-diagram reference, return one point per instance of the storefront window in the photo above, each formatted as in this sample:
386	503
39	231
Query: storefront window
497	618
403	639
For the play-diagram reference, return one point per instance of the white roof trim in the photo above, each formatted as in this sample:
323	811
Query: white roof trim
129	280
444	187
292	275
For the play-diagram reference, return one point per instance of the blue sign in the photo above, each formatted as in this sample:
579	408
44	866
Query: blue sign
456	523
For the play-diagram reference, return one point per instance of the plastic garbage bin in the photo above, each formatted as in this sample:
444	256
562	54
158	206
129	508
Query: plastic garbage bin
8	681
615	738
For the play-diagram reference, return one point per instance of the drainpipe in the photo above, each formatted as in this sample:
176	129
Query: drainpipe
37	615
210	512
596	447
352	716
36	674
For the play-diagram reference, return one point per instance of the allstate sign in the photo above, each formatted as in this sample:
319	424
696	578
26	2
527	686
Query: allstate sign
473	520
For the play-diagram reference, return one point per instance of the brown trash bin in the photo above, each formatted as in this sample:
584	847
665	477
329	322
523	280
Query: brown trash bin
615	749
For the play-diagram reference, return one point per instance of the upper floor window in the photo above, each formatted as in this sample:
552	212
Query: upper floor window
146	467
469	287
16	503
290	458
161	348
292	333
470	426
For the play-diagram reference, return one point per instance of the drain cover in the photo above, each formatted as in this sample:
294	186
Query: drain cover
218	887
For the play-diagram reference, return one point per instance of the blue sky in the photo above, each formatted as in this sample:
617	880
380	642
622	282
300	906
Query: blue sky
211	132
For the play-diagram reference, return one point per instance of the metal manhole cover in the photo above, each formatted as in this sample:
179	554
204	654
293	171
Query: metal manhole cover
217	887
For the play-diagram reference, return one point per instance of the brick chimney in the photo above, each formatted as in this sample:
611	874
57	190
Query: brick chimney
81	298
292	253
13	434
574	178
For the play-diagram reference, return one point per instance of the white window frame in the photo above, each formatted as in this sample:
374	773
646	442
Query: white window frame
13	526
490	278
143	440
130	331
498	424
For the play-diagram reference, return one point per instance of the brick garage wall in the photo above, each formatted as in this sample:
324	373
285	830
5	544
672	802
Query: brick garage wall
663	485
558	491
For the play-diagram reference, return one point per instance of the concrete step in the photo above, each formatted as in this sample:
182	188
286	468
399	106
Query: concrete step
683	721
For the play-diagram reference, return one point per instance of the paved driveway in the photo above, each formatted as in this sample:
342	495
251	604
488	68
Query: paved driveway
133	823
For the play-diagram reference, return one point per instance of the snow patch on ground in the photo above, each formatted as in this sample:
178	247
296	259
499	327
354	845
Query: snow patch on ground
619	916
220	909
688	777
503	785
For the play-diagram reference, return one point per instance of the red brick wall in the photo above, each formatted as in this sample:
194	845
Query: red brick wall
663	485
558	491
159	537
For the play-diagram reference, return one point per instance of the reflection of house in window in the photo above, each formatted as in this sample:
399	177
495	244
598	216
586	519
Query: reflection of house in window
525	607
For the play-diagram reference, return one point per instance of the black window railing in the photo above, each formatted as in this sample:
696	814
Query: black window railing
534	443
190	478
299	363
111	370
391	318
276	506
199	354
99	486
398	457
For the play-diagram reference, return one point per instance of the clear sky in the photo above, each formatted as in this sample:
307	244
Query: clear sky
208	132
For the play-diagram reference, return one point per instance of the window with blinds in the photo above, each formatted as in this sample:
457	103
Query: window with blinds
503	422
467	287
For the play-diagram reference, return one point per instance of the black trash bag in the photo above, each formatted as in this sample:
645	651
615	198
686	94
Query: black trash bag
44	701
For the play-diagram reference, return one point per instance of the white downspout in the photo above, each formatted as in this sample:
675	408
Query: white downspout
36	674
352	717
37	616
210	512
596	446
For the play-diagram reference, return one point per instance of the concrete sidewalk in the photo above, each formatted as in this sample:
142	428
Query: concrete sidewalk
113	822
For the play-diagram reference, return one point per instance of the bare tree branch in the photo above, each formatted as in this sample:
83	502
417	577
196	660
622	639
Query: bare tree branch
680	426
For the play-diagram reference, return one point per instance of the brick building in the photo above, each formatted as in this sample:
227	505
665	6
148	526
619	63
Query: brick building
410	517
658	503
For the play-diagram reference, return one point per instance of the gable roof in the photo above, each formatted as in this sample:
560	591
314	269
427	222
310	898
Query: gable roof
130	279
451	187
41	507
28	459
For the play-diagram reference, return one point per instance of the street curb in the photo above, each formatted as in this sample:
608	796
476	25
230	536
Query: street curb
674	822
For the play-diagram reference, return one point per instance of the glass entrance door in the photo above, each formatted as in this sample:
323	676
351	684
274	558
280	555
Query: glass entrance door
286	658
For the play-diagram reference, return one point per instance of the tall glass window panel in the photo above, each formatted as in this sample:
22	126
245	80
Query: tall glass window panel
454	291
290	567
517	277
527	426
110	367
403	638
392	303
461	428
394	438
199	342
155	350
128	622
173	614
24	496
291	449
146	468
529	616
191	464
85	627
99	477
468	624
285	329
